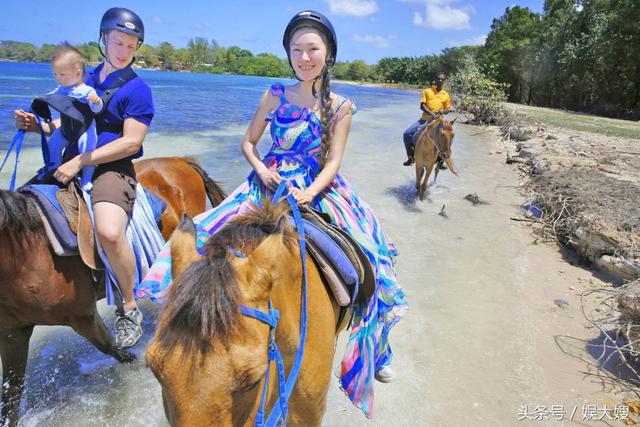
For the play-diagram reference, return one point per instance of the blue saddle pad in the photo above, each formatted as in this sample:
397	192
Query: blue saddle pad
45	194
333	252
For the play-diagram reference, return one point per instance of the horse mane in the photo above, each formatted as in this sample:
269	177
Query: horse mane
202	304
19	217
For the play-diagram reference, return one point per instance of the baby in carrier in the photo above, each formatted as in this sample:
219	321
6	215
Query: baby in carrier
68	69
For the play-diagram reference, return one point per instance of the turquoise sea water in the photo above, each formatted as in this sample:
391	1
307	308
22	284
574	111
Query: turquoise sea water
199	115
184	102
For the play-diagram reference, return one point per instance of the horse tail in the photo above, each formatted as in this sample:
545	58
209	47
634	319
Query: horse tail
19	217
214	192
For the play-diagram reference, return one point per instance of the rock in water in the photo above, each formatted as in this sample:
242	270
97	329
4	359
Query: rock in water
473	198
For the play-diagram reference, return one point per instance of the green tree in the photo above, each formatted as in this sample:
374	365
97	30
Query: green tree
45	53
509	48
199	51
358	70
450	59
166	53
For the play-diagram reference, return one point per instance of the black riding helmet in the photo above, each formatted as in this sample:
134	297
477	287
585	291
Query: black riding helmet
123	20
316	20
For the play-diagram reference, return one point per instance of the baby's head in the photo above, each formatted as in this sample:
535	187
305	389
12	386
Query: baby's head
68	65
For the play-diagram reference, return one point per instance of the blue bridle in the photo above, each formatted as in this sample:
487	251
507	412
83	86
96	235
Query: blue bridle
16	143
285	385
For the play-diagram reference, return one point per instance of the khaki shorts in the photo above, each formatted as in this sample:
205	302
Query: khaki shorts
115	183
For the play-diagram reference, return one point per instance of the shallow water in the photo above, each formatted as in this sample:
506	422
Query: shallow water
478	342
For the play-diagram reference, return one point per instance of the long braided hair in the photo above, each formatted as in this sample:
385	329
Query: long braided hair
326	112
326	115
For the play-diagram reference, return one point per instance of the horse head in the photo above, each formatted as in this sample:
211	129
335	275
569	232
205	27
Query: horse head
209	358
444	134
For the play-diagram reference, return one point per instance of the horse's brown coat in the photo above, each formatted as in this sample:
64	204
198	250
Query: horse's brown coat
434	140
221	383
39	288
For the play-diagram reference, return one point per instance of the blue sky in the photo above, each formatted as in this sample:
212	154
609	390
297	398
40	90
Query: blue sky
367	29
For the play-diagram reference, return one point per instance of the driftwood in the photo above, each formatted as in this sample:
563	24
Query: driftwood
629	308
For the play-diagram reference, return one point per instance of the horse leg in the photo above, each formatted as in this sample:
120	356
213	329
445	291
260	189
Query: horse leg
427	174
92	327
14	349
419	172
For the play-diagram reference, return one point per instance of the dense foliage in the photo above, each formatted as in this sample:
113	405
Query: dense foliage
582	55
478	94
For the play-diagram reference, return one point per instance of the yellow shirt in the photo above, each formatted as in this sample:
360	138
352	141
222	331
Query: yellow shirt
435	100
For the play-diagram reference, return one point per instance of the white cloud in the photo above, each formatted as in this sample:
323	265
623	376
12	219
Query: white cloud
439	15
417	19
378	41
471	41
352	7
157	20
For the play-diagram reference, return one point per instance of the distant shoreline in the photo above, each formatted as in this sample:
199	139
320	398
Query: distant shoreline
400	86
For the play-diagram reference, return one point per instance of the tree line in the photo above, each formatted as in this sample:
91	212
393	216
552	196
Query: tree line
207	56
582	55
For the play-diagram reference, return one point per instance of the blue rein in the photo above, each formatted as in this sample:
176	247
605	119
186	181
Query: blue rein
285	385
16	143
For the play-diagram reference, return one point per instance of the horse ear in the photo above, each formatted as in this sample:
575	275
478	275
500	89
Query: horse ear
282	224
183	245
454	120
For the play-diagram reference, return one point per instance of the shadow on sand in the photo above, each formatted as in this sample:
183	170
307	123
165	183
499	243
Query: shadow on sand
408	196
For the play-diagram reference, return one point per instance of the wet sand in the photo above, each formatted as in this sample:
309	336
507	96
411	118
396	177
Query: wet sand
478	343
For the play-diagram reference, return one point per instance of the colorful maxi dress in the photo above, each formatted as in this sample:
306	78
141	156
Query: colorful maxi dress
296	133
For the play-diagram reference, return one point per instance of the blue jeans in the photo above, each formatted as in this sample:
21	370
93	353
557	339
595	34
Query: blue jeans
408	136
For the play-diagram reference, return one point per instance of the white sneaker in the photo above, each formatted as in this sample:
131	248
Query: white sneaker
386	374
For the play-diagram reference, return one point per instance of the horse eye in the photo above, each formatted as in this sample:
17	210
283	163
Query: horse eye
249	387
248	381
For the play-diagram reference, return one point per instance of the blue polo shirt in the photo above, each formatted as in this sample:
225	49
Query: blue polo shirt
133	100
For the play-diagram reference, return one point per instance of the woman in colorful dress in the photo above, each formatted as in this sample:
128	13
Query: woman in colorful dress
309	128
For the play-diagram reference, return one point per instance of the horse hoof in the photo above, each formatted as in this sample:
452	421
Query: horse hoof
125	356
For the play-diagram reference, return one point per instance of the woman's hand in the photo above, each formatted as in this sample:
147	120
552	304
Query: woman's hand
271	179
68	170
25	121
302	196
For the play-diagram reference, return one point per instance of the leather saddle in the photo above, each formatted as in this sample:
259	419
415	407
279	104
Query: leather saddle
67	220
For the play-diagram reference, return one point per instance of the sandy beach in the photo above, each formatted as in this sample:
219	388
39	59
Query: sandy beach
491	319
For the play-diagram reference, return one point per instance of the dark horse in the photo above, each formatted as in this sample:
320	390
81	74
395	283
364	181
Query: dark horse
211	360
39	288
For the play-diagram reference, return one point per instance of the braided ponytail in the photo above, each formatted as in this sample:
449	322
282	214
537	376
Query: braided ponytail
326	116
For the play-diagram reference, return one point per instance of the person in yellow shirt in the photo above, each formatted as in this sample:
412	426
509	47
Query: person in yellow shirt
434	101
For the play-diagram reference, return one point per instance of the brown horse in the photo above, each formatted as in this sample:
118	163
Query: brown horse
209	358
39	288
173	179
434	141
